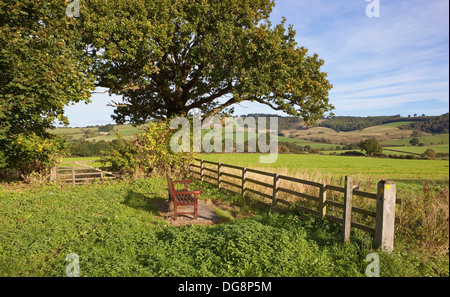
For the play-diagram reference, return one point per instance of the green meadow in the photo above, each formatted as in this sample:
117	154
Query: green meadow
115	230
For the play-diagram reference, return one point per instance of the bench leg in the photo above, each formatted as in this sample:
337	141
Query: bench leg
195	208
175	211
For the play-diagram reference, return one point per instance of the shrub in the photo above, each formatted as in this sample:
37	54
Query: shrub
429	154
29	153
148	153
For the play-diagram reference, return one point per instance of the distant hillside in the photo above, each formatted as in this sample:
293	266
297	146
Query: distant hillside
422	123
434	125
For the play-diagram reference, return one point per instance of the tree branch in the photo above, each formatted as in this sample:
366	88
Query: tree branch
220	108
212	97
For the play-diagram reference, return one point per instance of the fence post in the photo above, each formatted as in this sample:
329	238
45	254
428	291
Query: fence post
348	203
73	173
385	217
323	201
53	173
244	173
219	167
201	170
276	180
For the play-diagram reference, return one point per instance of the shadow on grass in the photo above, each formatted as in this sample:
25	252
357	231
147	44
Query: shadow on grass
144	201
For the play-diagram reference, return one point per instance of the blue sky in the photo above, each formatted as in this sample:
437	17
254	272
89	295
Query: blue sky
397	63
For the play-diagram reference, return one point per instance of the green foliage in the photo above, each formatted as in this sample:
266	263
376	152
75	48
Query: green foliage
90	149
148	153
371	147
430	154
41	72
175	56
106	128
424	123
114	229
435	125
28	153
415	141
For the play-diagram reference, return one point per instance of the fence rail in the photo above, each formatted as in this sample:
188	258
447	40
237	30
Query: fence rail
385	198
79	173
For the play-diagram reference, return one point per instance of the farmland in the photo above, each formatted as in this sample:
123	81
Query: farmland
321	165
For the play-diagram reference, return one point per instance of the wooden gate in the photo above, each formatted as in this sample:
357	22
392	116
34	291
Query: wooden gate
78	173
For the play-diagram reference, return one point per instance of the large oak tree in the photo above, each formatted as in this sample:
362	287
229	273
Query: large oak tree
168	57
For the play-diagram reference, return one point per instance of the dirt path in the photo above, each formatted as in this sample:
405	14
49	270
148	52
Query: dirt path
205	216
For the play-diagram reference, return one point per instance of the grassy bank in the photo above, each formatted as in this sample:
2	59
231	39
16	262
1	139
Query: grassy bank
115	230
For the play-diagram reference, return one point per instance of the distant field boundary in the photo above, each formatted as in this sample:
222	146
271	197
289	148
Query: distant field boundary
397	151
386	197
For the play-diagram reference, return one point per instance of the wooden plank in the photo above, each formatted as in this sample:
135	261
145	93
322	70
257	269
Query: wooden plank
232	167
334	219
210	170
365	228
335	204
302	181
230	183
365	194
307	210
259	183
230	175
299	207
210	177
259	193
364	211
195	166
260	172
306	196
209	162
336	189
86	166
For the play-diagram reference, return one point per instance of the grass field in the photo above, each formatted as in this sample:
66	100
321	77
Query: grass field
115	230
427	140
383	133
126	131
409	175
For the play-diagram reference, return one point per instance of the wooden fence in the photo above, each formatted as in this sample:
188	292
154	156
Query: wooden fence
313	201
78	173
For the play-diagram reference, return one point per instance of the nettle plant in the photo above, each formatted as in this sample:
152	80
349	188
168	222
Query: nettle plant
148	153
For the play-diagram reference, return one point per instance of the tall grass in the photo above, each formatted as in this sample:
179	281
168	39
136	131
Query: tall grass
424	215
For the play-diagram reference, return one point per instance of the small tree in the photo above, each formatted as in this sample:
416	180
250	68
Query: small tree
415	141
371	147
429	154
148	153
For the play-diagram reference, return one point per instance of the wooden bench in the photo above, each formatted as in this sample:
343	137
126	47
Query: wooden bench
182	197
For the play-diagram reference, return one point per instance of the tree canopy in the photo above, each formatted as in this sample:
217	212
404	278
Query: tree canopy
168	57
371	147
42	70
